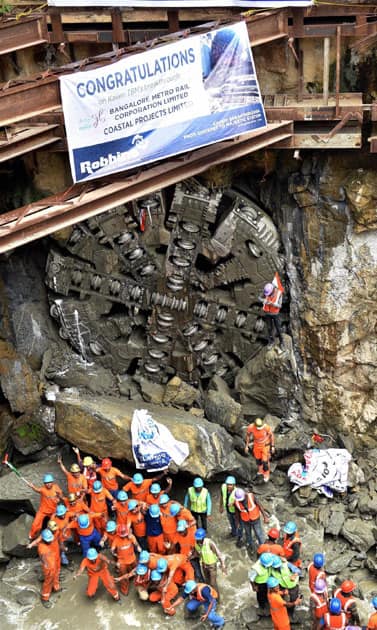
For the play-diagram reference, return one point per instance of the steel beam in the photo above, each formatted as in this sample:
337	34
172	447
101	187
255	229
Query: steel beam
85	200
22	33
16	141
29	98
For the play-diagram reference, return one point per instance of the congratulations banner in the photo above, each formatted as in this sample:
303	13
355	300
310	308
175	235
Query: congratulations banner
156	104
182	4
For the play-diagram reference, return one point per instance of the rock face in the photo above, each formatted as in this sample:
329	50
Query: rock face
79	419
223	409
16	537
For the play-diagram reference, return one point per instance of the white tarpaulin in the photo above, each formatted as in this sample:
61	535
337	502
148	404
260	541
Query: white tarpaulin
182	4
324	470
153	445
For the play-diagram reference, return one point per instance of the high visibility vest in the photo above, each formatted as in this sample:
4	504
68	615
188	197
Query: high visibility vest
285	577
334	622
252	512
206	553
263	573
199	595
346	602
198	501
230	506
320	602
314	573
261	435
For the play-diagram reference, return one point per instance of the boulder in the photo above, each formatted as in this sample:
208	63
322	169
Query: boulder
32	432
4	558
18	382
360	533
337	562
179	393
16	537
152	392
367	503
332	517
6	423
223	409
79	418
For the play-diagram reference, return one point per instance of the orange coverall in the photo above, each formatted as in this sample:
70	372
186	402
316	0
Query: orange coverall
178	566
278	610
98	504
50	567
138	492
136	520
164	595
50	498
263	440
109	477
77	485
124	547
185	543
99	570
372	622
121	510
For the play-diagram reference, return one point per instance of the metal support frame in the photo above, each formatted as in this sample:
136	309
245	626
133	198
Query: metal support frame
21	140
23	33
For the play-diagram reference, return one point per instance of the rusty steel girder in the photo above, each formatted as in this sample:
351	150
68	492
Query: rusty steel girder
18	140
83	201
22	33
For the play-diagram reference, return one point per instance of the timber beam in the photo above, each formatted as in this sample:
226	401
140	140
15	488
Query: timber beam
82	201
22	33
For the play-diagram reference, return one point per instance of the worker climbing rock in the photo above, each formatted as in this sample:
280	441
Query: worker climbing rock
372	621
155	537
271	545
278	605
272	302
50	566
288	576
292	543
98	503
51	494
198	500
348	603
248	518
209	556
318	603
262	437
258	576
200	594
227	503
136	521
123	546
316	570
76	481
160	591
97	567
335	619
88	534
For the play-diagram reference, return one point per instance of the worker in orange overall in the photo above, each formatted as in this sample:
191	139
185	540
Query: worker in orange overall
123	547
335	619
155	536
183	539
98	496
88	467
316	570
97	567
292	544
182	513
50	494
138	487
76	481
50	565
271	545
278	605
155	492
262	436
120	507
272	302
136	522
109	474
161	591
345	595
168	522
175	565
109	535
372	621
64	531
318	603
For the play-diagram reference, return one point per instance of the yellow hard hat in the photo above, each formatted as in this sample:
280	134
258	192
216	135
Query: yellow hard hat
72	497
88	461
75	468
52	525
258	422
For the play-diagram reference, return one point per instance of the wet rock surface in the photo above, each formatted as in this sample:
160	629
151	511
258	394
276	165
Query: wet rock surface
16	537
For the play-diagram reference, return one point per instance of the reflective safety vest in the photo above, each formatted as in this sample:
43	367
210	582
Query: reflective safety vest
230	504
314	573
286	578
334	622
320	602
252	512
206	553
199	590
347	602
262	573
198	500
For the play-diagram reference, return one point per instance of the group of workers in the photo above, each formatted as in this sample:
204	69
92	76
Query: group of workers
163	546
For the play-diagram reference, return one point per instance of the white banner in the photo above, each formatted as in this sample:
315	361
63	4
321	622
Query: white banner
153	445
171	99
183	4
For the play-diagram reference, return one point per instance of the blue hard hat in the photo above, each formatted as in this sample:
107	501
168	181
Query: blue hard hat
374	602
189	586
48	478
61	510
318	560
154	510
290	527
164	498
198	482
83	521
132	504
111	526
138	478
141	569
335	606
162	565
272	582
230	480
182	525
122	495
47	535
266	559
276	562
97	486
174	509
144	557
92	554
155	488
155	576
200	533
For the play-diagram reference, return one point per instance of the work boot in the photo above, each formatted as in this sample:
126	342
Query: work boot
239	543
46	603
266	478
